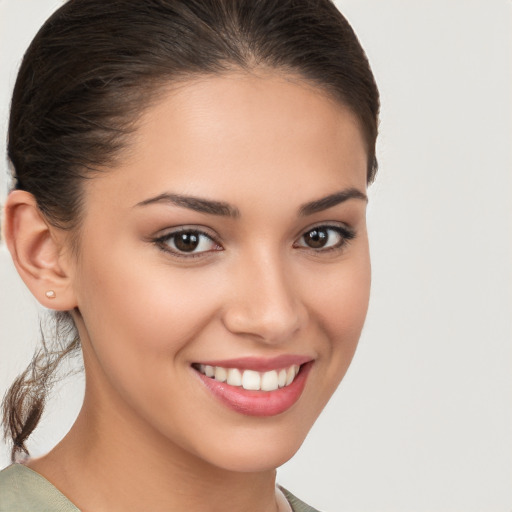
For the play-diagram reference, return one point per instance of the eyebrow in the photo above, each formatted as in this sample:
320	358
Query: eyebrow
195	203
224	209
332	200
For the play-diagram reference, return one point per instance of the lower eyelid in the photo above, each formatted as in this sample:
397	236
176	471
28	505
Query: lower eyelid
164	243
345	233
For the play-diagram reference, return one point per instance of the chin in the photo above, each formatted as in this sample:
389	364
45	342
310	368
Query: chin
258	449
258	459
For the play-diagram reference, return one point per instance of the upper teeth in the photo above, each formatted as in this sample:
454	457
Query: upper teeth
250	379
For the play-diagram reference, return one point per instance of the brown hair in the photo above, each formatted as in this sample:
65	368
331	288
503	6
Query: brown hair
95	66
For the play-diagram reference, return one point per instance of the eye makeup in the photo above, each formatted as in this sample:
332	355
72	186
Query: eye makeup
193	242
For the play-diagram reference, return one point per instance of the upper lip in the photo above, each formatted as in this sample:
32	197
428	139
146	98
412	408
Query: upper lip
260	364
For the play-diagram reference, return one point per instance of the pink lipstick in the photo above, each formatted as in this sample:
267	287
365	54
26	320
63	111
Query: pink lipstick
256	386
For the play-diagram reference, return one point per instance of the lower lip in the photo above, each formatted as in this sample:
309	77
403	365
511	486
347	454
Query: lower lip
258	403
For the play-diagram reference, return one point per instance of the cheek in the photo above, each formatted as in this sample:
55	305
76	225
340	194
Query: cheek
140	325
347	310
341	296
339	306
147	313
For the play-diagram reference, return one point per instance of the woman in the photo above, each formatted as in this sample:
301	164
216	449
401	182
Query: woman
190	192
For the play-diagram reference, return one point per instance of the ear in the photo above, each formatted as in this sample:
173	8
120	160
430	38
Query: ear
39	252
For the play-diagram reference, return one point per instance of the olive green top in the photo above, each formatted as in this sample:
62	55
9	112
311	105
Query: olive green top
24	490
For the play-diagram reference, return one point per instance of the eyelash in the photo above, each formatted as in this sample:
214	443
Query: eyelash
346	234
163	243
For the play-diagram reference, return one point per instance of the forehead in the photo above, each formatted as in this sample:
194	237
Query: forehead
238	136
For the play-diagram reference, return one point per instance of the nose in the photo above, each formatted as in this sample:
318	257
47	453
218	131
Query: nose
264	302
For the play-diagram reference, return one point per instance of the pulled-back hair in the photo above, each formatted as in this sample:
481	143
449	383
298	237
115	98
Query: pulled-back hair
95	66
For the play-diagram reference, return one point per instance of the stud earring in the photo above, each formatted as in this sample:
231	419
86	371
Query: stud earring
51	294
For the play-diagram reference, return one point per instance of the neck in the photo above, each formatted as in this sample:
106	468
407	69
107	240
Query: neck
131	467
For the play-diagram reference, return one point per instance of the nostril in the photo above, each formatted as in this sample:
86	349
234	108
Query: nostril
270	326
264	302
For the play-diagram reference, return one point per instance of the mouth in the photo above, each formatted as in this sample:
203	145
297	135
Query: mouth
254	387
251	380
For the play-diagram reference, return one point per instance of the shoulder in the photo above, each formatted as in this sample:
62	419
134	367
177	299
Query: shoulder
296	504
24	490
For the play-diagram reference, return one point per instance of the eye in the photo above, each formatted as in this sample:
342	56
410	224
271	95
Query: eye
326	237
187	242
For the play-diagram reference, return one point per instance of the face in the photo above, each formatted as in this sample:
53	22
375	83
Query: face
230	244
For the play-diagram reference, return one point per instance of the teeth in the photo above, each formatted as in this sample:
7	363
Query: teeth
220	374
250	379
269	381
234	377
281	380
290	375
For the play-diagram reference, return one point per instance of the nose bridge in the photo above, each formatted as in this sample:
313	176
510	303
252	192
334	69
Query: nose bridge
265	303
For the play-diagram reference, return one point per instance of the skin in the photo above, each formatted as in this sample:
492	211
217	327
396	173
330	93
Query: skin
149	435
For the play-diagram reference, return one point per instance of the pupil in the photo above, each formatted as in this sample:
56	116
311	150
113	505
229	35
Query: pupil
186	241
316	238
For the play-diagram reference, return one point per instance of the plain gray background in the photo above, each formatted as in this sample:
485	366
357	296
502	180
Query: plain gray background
423	419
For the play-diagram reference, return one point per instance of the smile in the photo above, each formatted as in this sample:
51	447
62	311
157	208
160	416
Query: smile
251	379
256	387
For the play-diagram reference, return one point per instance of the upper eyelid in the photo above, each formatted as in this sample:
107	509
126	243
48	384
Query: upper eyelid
203	230
168	232
214	235
329	224
171	232
346	232
161	242
209	232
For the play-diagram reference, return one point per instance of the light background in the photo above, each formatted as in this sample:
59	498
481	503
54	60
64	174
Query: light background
423	419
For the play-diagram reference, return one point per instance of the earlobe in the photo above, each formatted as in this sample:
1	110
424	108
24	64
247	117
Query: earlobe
37	252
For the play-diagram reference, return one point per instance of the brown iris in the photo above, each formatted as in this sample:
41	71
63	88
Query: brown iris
316	238
186	241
